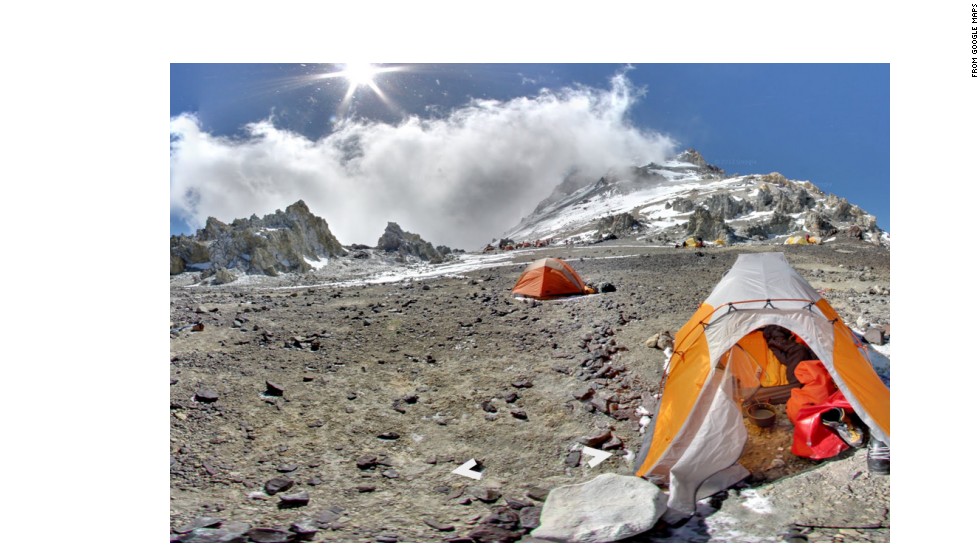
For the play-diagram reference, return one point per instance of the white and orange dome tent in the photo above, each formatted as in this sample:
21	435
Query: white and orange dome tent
699	431
550	277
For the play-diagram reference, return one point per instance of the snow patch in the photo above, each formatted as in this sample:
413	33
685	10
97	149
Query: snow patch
753	501
317	264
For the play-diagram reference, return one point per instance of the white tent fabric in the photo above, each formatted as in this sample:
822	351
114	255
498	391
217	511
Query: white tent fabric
716	443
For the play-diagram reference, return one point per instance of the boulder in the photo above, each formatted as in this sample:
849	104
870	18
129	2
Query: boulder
223	276
608	508
874	336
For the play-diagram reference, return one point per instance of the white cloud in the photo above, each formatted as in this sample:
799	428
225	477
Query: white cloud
460	180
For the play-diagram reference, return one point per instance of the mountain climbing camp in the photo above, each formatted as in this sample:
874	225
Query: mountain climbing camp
764	335
548	278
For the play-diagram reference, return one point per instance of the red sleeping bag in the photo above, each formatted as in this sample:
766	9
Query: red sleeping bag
817	387
811	438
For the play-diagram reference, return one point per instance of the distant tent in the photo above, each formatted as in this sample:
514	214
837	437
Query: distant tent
550	277
720	359
693	242
802	240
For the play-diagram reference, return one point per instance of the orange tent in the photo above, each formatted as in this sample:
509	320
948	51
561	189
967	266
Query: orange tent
550	277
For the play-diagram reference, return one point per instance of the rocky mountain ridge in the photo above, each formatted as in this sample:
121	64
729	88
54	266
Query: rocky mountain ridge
684	197
293	241
280	242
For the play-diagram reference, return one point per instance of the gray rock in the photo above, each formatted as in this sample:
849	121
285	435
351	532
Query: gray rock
278	484
206	395
596	439
608	508
304	529
327	516
874	336
230	532
573	458
492	533
199	523
484	494
612	443
301	498
437	525
264	534
531	517
223	276
504	517
537	493
367	461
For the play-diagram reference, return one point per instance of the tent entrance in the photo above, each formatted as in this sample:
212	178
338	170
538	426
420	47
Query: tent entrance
763	363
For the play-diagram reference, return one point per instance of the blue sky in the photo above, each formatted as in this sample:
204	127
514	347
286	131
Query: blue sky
827	123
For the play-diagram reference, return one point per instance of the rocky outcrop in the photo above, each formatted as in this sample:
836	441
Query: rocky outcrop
692	156
276	243
775	178
396	240
682	205
793	200
619	224
817	225
724	206
185	251
707	226
777	224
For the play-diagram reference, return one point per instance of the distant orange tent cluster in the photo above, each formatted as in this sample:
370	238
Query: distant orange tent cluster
550	277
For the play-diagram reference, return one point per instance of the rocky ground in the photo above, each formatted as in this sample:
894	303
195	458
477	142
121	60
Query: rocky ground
338	413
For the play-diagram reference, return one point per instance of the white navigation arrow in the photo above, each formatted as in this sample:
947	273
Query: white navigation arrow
598	456
465	470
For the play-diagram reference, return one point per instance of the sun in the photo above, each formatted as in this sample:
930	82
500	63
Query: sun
360	74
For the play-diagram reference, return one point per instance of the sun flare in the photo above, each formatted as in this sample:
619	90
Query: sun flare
360	74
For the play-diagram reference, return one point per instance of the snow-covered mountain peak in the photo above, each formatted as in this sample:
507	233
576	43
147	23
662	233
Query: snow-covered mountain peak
686	196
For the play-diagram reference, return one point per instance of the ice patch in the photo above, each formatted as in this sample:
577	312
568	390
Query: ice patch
756	503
